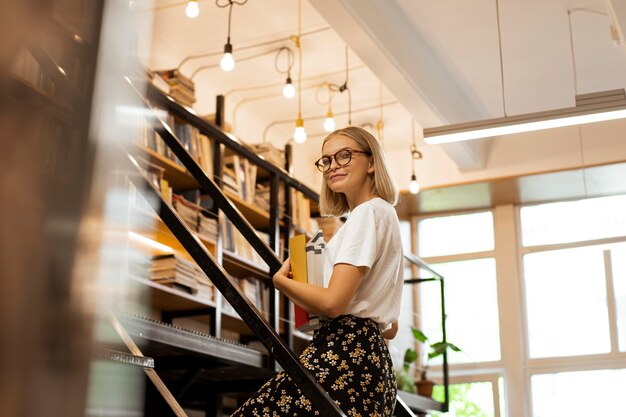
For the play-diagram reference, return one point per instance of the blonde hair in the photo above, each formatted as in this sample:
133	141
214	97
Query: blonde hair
336	204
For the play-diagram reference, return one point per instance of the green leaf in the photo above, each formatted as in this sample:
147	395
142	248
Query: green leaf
410	356
438	348
419	335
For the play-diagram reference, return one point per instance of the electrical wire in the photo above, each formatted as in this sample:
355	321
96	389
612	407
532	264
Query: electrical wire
501	59
344	87
247	58
271	85
290	60
323	116
252	46
299	46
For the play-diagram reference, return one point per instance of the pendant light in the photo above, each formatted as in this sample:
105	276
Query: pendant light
227	63
289	90
329	123
193	9
414	186
299	134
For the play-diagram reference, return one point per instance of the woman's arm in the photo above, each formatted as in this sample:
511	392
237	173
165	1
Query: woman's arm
391	333
332	301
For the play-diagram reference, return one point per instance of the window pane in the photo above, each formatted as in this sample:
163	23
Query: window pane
574	221
404	338
579	394
466	233
618	260
566	297
471	307
467	400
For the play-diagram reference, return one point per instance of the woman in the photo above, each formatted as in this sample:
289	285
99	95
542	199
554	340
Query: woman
363	288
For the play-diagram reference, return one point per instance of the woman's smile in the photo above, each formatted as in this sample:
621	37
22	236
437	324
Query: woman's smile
336	177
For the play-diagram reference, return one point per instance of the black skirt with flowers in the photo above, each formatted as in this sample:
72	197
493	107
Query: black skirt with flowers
349	358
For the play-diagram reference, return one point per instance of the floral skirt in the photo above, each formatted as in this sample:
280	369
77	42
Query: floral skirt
349	357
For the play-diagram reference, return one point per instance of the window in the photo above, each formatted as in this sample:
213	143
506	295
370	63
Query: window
470	285
449	235
472	399
471	307
404	338
579	394
574	281
574	221
566	296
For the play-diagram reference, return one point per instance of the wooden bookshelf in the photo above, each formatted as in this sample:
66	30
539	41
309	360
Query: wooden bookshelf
170	299
242	267
258	218
176	175
148	224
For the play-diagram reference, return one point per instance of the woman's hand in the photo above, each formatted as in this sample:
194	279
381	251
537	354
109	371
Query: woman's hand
283	273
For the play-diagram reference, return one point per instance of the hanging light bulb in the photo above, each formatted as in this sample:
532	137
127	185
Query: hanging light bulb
227	63
414	186
299	134
289	90
329	123
193	9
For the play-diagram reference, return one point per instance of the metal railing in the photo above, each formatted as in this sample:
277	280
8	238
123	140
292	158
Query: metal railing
419	262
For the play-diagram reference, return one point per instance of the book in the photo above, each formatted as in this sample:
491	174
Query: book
307	265
297	255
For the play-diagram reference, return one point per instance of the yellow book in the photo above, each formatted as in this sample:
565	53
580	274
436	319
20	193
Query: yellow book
297	256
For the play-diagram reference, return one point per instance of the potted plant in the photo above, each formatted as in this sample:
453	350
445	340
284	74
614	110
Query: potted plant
429	351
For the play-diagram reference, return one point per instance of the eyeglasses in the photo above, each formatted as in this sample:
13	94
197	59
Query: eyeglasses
342	157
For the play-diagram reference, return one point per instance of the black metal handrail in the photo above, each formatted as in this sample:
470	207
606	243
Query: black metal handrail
419	262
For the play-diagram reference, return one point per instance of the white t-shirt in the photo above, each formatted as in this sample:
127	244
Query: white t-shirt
371	237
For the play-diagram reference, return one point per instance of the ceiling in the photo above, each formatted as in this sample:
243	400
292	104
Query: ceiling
435	62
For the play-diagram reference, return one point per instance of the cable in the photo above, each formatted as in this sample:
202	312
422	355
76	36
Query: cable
252	46
501	59
247	58
573	52
290	60
362	109
299	46
270	85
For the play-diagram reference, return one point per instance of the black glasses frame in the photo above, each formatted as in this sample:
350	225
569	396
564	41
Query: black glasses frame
330	158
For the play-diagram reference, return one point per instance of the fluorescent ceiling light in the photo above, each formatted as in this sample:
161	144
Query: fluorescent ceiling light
590	108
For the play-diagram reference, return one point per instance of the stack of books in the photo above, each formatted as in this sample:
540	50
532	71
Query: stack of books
307	265
270	153
175	271
181	88
196	218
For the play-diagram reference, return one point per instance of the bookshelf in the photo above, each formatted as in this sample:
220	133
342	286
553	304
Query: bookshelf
242	164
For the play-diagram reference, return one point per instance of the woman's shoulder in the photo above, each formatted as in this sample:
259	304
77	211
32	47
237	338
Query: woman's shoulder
376	207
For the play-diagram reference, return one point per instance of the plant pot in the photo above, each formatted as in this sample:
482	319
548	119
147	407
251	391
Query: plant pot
425	387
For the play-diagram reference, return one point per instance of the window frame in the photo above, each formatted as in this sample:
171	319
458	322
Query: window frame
591	362
489	371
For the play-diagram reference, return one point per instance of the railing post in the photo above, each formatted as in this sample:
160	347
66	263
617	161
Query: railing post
288	222
274	232
446	381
